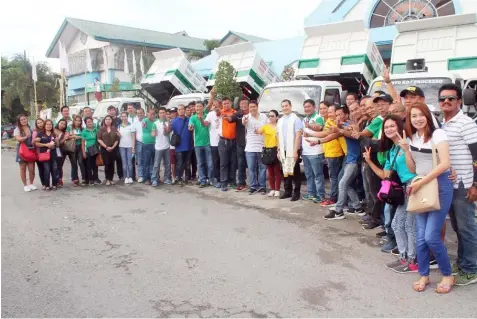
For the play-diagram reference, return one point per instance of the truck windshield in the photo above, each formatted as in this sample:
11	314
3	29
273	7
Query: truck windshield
430	86
271	98
101	109
184	101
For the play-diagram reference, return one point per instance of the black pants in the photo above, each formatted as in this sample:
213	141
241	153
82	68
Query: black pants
215	163
77	162
193	165
228	159
375	206
358	184
241	165
61	162
109	158
183	160
295	180
41	173
119	163
91	169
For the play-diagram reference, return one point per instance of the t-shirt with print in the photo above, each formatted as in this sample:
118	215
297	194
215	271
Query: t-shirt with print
148	127
45	139
298	125
215	126
76	132
269	136
228	128
95	123
317	149
201	132
333	148
254	141
353	149
400	165
89	136
126	135
422	151
162	140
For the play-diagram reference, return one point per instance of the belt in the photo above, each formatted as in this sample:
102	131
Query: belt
227	139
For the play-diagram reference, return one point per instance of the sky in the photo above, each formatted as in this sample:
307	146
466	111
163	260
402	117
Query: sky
35	23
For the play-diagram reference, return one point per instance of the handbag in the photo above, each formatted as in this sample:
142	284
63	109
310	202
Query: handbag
392	191
69	146
269	155
92	150
426	199
99	160
176	138
27	154
44	157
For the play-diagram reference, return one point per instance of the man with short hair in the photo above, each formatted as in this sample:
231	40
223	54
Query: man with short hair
192	167
383	102
132	117
162	153
461	131
227	145
214	123
411	95
203	153
351	97
397	109
138	155
112	111
87	112
183	150
241	160
172	114
149	133
65	114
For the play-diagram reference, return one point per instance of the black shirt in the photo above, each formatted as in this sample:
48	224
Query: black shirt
240	128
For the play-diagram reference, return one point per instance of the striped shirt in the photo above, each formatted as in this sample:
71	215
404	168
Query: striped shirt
461	131
422	151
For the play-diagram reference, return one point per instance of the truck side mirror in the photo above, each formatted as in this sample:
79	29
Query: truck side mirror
343	97
469	96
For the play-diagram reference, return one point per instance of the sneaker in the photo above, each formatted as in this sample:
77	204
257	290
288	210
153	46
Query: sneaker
465	279
388	247
27	188
277	194
381	234
32	187
218	185
433	263
147	183
406	268
91	183
84	183
262	191
361	213
308	197
168	182
181	183
395	252
224	188
394	264
455	269
334	215
97	182
240	188
154	184
353	211
202	185
252	191
371	225
327	202
317	200
271	194
140	180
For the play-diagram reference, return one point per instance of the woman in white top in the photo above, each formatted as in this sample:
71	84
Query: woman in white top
423	135
127	146
23	135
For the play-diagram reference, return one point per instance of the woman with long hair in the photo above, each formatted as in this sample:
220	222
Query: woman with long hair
127	147
23	135
62	136
39	126
90	151
108	139
269	132
47	142
75	130
423	137
403	223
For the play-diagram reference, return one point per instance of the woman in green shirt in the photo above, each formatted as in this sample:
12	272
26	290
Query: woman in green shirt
75	129
90	151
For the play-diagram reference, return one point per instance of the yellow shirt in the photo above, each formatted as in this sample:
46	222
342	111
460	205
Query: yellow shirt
336	147
269	136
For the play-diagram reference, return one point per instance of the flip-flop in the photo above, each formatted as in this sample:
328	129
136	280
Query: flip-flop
445	288
420	286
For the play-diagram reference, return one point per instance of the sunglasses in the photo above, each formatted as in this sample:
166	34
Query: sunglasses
451	98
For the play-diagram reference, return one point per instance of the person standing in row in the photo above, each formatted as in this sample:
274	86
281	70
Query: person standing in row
227	145
149	133
108	139
47	142
214	123
39	125
90	150
183	149
62	136
162	148
23	134
116	122
137	127
203	153
270	143
240	162
257	171
87	112
127	147
75	131
171	115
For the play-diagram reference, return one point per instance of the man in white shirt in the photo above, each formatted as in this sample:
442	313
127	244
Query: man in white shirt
257	171
162	148
138	155
215	126
132	117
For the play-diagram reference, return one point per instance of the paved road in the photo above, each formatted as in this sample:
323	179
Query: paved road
174	252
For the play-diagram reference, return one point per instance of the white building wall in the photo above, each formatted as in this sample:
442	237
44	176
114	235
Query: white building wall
77	46
359	11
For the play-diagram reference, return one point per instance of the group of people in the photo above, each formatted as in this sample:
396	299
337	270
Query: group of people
384	136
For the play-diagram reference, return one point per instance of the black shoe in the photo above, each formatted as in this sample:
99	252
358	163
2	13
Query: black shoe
371	225
252	191
381	234
334	215
395	252
433	263
285	196
97	182
295	197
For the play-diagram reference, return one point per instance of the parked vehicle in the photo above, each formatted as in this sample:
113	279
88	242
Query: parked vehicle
8	130
120	103
187	98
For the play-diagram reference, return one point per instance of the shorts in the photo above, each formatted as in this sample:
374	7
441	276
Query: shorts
173	156
18	159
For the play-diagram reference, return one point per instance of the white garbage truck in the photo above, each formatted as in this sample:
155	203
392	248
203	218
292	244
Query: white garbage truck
430	52
171	74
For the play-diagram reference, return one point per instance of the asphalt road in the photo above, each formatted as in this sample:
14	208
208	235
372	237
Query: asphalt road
134	251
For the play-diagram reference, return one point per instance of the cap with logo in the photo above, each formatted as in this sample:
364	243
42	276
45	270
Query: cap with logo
173	109
384	97
412	90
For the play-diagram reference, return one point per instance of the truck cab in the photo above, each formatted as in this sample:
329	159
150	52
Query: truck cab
120	103
187	98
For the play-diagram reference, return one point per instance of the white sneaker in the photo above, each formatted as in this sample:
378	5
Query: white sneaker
131	180
32	187
140	180
271	194
277	194
126	180
27	188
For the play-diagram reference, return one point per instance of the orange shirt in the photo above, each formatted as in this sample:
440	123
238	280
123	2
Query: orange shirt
228	128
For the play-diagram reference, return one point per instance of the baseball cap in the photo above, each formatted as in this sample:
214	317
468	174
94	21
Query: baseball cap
385	97
173	109
412	90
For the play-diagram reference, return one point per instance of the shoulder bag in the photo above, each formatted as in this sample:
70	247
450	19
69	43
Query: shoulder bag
426	199
392	191
269	155
176	138
69	146
26	153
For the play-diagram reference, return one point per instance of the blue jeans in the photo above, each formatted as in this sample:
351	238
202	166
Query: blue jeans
203	155
463	223
139	159
334	167
126	160
162	155
148	153
388	219
257	171
429	227
315	179
350	171
404	227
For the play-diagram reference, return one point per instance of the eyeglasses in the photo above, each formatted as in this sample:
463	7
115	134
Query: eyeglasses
451	98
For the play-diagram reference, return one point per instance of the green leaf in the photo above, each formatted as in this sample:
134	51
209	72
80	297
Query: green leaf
225	84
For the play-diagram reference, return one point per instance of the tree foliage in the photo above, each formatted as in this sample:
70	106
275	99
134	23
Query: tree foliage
288	73
211	44
225	84
17	85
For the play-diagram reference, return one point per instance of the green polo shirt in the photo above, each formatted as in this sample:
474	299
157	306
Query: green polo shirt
147	128
201	132
77	132
90	137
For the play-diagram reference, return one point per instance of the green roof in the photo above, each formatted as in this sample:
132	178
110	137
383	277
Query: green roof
129	35
246	37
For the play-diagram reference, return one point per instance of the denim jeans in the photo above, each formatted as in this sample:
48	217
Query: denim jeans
183	162
350	171
429	227
404	226
148	153
334	167
462	216
139	159
389	213
203	155
50	168
78	161
242	164
127	160
162	155
315	179
257	171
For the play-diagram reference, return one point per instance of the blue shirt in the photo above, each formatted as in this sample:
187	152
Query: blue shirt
353	149
400	166
185	134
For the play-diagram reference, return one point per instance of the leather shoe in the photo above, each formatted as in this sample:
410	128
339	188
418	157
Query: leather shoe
285	195
295	197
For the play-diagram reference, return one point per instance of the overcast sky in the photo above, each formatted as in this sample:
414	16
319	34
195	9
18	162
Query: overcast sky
32	25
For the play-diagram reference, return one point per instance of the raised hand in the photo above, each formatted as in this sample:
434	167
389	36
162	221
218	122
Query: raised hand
386	76
367	154
403	142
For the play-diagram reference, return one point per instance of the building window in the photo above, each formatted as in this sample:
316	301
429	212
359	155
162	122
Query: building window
390	12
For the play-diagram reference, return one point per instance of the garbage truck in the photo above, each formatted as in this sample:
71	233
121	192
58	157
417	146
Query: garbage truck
252	72
434	51
171	74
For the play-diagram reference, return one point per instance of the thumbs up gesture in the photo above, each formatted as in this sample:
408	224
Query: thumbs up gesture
403	142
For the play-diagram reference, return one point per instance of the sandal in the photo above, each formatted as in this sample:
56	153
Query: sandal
445	288
420	286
